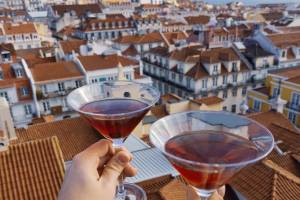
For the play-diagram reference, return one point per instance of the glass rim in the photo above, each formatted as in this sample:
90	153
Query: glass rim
186	161
113	115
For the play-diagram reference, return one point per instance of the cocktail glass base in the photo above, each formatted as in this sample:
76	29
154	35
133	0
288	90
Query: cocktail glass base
204	194
131	192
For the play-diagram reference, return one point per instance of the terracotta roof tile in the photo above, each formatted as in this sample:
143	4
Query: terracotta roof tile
97	62
284	40
272	118
287	73
197	72
130	51
295	79
12	29
80	10
55	71
31	170
263	90
200	19
208	100
153	37
74	135
173	37
72	45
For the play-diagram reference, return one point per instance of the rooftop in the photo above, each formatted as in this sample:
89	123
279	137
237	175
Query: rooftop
80	10
31	170
55	71
22	28
96	62
208	100
68	46
288	73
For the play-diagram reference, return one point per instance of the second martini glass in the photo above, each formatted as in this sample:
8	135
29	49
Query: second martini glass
208	148
114	109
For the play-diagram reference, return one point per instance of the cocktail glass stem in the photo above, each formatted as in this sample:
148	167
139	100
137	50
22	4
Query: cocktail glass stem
120	192
204	194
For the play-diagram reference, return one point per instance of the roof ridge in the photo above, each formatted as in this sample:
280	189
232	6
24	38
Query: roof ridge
278	125
281	171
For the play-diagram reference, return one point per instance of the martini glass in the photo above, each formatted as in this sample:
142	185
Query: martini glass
114	109
208	148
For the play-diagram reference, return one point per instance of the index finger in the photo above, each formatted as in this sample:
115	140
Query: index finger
98	149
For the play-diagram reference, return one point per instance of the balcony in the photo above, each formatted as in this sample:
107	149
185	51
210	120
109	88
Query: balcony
293	106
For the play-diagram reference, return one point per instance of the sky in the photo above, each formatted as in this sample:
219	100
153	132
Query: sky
252	2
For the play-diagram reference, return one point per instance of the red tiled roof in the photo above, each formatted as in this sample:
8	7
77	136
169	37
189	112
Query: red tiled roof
32	170
97	62
55	71
12	29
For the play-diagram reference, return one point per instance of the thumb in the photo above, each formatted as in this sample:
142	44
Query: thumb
115	167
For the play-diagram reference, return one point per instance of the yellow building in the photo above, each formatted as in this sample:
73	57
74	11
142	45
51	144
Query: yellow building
172	104
281	92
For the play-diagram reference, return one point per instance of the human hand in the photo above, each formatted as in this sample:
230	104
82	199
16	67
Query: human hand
218	195
94	173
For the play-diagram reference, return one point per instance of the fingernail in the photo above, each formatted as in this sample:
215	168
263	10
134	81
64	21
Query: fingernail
123	158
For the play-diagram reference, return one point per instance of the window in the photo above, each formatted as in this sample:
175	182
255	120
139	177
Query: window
296	99
233	108
102	79
173	75
224	79
188	83
224	108
1	75
275	92
24	91
61	87
283	54
28	109
234	67
225	94
234	78
19	73
204	83
5	95
78	84
257	105
215	68
215	81
244	91
234	92
292	117
46	106
44	89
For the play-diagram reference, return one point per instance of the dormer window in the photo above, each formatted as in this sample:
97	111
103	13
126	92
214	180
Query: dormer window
215	68
19	73
18	70
5	55
234	67
24	91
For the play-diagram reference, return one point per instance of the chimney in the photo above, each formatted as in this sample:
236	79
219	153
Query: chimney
6	124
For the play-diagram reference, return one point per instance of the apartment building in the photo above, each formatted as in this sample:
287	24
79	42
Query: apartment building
62	15
100	68
15	86
51	83
21	35
281	92
285	46
136	45
106	27
195	72
146	24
